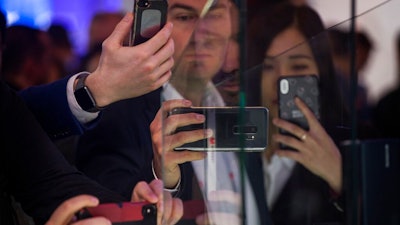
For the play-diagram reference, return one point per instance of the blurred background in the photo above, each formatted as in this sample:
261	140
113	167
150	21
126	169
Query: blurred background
378	22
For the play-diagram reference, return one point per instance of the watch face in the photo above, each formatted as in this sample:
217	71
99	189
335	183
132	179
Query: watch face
85	100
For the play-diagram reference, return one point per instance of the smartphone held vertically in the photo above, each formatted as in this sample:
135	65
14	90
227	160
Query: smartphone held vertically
127	213
149	17
305	87
230	132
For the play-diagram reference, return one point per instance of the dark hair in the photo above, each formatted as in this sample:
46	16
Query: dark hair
340	42
59	36
262	31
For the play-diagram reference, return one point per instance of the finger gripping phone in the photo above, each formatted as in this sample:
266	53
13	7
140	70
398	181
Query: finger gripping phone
124	213
227	128
149	17
306	87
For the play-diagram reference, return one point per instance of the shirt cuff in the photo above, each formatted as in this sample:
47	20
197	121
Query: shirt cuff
173	190
81	115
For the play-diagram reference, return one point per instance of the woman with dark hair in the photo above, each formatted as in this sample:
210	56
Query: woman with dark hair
299	185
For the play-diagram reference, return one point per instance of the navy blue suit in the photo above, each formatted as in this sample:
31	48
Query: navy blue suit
49	104
31	167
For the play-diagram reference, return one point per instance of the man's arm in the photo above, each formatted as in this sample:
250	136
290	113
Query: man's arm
123	72
50	106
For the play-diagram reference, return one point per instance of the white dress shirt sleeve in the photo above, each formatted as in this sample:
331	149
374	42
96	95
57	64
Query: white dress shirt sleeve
81	115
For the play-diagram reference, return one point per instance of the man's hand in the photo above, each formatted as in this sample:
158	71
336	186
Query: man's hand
125	71
65	213
169	210
165	140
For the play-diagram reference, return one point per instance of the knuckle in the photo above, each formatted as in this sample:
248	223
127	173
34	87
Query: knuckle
149	67
106	45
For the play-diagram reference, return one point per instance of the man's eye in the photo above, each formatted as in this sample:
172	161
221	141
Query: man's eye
185	18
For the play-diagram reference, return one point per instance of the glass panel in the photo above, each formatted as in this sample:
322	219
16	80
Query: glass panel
211	178
324	175
288	51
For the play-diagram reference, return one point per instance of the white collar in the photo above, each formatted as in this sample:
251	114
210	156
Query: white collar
211	95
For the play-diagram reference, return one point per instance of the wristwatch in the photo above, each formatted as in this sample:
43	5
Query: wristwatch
83	95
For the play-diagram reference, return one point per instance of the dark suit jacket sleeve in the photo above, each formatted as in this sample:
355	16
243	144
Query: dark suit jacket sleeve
32	169
118	153
50	106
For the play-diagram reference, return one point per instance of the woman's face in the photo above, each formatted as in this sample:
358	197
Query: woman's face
285	57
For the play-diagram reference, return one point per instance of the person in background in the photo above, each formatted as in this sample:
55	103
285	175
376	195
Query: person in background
341	53
101	26
298	184
63	55
90	61
26	57
387	110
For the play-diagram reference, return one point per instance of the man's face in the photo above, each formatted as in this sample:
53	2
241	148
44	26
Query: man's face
200	42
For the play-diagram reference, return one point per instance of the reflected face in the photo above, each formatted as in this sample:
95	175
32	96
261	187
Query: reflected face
281	59
200	44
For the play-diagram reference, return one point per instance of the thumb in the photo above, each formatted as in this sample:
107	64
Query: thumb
121	30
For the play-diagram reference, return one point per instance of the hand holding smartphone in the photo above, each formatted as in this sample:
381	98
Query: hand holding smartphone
305	87
150	16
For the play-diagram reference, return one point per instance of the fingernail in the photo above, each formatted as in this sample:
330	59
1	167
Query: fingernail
200	117
187	102
128	17
94	200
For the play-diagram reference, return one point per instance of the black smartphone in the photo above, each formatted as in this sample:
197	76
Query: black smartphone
149	17
227	128
306	87
127	213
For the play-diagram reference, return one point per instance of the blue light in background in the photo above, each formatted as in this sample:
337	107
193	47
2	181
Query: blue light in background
33	13
75	15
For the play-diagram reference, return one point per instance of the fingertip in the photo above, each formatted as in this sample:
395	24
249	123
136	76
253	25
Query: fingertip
169	25
186	102
94	200
128	17
209	132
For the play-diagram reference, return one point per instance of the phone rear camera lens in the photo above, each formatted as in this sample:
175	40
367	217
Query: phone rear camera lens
143	3
149	211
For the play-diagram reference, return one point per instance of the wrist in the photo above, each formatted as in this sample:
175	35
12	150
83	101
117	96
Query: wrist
99	94
84	95
167	187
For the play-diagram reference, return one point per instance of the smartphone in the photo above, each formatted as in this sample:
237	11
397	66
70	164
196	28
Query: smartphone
227	128
127	213
149	17
306	87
